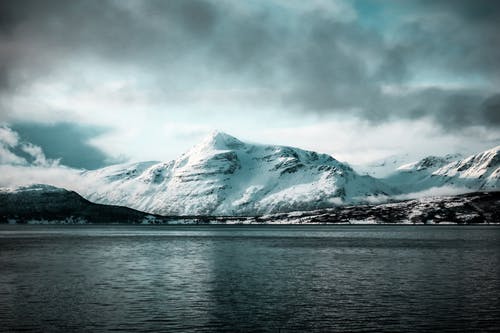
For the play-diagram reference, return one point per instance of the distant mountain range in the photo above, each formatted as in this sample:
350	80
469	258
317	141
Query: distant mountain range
223	176
479	172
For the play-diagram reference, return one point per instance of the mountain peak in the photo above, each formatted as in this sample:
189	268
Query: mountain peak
221	141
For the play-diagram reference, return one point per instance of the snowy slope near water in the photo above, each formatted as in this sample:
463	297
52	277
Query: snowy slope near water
224	176
42	204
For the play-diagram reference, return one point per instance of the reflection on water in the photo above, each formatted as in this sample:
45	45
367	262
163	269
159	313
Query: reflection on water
250	278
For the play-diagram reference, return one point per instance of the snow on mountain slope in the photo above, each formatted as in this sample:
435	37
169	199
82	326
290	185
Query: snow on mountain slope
395	164
42	204
480	171
476	172
224	176
429	163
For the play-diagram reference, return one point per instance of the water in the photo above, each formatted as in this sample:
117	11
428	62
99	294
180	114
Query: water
250	278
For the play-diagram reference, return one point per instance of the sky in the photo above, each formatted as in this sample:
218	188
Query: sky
89	83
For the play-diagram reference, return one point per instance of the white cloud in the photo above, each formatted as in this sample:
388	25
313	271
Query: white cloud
8	137
360	142
17	171
10	142
8	157
37	154
21	175
435	192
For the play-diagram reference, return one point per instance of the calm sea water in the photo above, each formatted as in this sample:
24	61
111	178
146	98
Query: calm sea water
250	278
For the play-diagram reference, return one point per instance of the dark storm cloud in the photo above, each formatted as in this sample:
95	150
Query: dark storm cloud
315	62
452	45
39	35
458	40
452	109
478	10
67	142
490	109
325	71
4	80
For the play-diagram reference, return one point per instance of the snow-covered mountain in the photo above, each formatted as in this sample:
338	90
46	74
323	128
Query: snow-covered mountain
476	172
480	171
225	176
429	164
394	164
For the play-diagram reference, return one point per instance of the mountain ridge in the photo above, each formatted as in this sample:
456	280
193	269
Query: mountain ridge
41	203
475	172
225	176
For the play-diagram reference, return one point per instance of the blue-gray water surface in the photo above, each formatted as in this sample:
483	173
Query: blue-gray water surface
250	278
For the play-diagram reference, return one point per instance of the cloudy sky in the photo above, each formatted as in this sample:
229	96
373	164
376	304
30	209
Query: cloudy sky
87	83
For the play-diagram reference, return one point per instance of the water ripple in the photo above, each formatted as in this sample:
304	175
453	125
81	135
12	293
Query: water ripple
249	279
